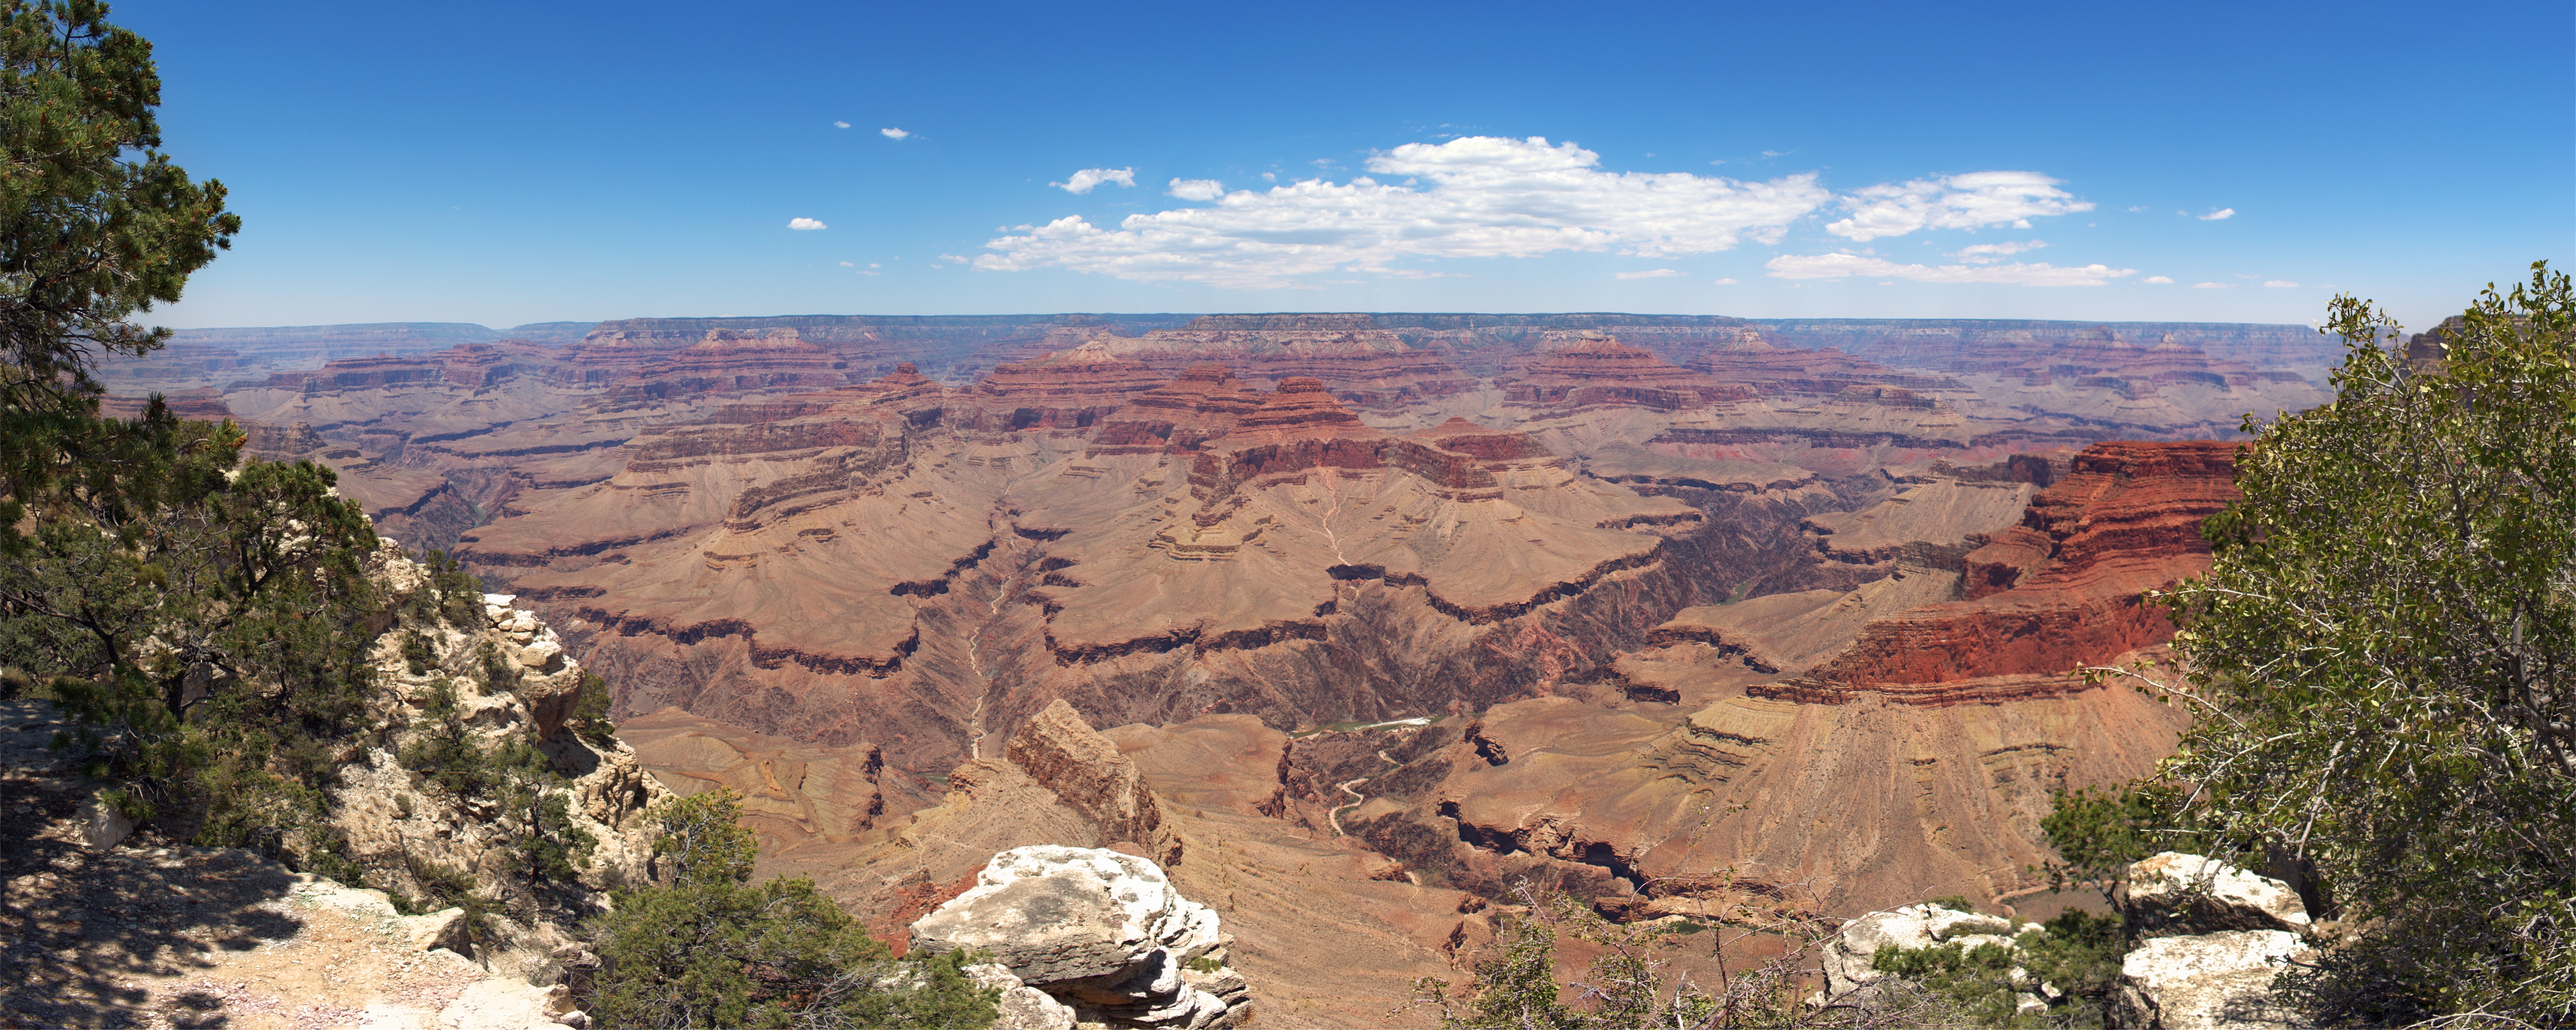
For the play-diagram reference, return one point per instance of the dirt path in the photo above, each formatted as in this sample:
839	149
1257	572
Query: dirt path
134	936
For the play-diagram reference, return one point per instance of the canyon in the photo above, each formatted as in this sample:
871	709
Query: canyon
1350	621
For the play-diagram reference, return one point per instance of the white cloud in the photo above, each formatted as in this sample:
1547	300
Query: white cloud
873	264
1270	177
804	224
846	264
1837	266
1969	201
1651	273
840	125
959	258
1088	179
1724	282
1476	196
2213	286
2160	280
2279	284
2224	212
1989	253
1197	189
893	133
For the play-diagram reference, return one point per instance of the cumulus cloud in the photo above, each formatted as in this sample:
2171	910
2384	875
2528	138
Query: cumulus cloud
1724	282
846	264
1475	196
1970	201
805	224
840	125
1837	266
2279	284
893	133
1197	189
2160	280
2224	212
1989	253
1651	273
2213	286
1088	179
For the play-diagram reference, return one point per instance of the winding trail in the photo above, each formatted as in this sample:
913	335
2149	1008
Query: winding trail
1357	799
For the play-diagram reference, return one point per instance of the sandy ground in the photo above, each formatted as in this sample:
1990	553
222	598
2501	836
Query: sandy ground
145	936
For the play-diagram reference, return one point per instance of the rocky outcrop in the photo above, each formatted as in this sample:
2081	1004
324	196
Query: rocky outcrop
2206	941
2213	939
505	683
2174	894
2208	981
1086	771
1849	959
1099	932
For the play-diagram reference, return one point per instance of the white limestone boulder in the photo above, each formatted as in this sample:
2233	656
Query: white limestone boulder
2210	980
2174	893
1101	932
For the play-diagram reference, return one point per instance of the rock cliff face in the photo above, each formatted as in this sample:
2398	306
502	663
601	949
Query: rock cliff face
1068	389
1357	360
1598	371
728	362
510	683
2062	588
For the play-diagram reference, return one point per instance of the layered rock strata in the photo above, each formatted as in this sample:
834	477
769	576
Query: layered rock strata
1101	933
1596	371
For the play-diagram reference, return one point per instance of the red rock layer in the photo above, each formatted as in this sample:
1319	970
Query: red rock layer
1351	355
2062	588
1299	427
1497	445
1203	403
733	362
1069	389
1600	371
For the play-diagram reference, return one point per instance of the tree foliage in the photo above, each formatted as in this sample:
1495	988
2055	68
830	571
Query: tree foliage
713	949
96	224
2382	657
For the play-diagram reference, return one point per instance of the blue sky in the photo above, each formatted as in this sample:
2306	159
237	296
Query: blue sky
510	163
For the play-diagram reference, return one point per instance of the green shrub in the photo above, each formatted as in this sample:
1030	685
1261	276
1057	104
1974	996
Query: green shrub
712	948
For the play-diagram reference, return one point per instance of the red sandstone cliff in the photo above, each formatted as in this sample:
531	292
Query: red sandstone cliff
2062	588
